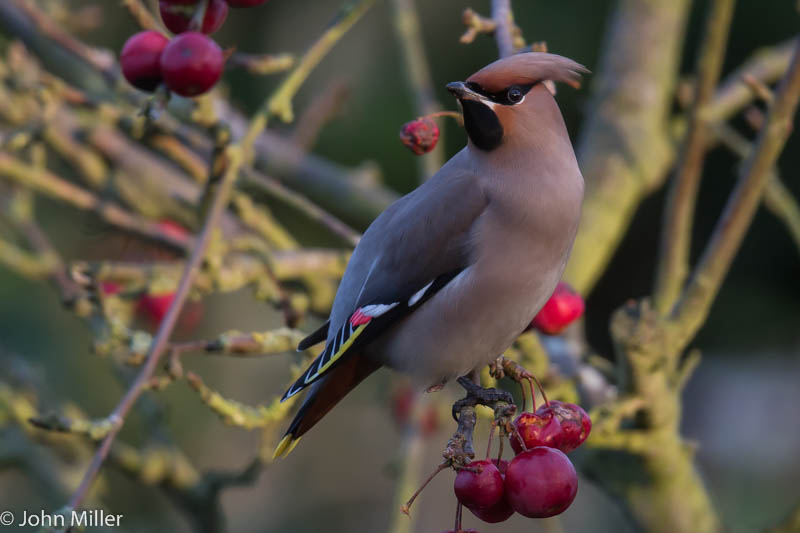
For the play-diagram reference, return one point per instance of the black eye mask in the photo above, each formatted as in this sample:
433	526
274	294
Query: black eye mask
482	125
508	96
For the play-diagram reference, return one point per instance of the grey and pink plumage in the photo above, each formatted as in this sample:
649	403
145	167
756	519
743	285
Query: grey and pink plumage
448	276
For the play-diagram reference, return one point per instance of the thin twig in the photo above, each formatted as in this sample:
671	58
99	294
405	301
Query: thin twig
777	197
420	83
233	157
673	258
325	106
297	201
504	18
693	307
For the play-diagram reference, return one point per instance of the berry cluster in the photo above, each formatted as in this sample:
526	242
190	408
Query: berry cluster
540	481
190	63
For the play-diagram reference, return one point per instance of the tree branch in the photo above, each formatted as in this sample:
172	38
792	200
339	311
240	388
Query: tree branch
407	27
504	20
232	158
624	149
673	258
729	232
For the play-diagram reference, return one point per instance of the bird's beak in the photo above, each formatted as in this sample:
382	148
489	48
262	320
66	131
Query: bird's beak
462	92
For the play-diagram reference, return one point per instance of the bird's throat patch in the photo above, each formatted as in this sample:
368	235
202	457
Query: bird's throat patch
482	125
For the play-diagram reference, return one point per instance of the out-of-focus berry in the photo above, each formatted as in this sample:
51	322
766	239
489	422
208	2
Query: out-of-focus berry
177	15
420	135
191	64
564	307
140	59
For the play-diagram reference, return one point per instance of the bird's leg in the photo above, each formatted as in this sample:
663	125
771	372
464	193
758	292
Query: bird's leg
504	367
477	395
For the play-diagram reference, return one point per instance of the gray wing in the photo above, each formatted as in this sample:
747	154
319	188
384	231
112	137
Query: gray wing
420	237
412	250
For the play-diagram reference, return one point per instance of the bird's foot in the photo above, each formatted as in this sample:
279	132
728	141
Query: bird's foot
502	367
477	395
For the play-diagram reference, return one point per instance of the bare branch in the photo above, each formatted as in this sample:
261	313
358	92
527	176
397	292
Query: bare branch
729	232
673	258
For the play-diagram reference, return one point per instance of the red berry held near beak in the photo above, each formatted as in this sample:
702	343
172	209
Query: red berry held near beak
420	135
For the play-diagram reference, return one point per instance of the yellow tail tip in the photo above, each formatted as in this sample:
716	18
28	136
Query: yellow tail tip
285	446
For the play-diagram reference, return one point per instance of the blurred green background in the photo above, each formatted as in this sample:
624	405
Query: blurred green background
741	406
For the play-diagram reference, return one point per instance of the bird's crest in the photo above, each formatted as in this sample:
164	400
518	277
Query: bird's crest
527	68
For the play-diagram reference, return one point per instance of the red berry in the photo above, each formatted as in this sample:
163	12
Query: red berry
139	59
420	135
429	421
499	512
575	424
177	15
460	531
110	288
191	64
480	489
541	482
564	307
155	306
502	465
541	428
172	229
402	402
245	3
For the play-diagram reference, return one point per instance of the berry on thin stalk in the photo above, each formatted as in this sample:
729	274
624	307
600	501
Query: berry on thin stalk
541	428
541	482
479	485
140	59
575	424
191	64
563	308
420	135
177	15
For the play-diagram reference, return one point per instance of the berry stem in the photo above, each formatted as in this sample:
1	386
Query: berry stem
500	453
533	395
491	436
452	114
196	24
407	507
515	434
524	398
459	510
541	389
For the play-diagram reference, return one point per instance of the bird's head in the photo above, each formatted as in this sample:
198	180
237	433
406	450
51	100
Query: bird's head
506	96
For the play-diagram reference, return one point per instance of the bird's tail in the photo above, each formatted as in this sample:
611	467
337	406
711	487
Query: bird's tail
323	396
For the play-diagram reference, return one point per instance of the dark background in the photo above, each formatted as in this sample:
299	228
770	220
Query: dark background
741	406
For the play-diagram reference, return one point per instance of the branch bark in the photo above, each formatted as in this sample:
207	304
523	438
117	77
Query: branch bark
693	307
673	258
624	149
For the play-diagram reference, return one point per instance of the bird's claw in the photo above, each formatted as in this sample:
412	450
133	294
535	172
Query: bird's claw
477	395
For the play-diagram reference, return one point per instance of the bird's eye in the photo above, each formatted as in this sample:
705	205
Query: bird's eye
514	95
